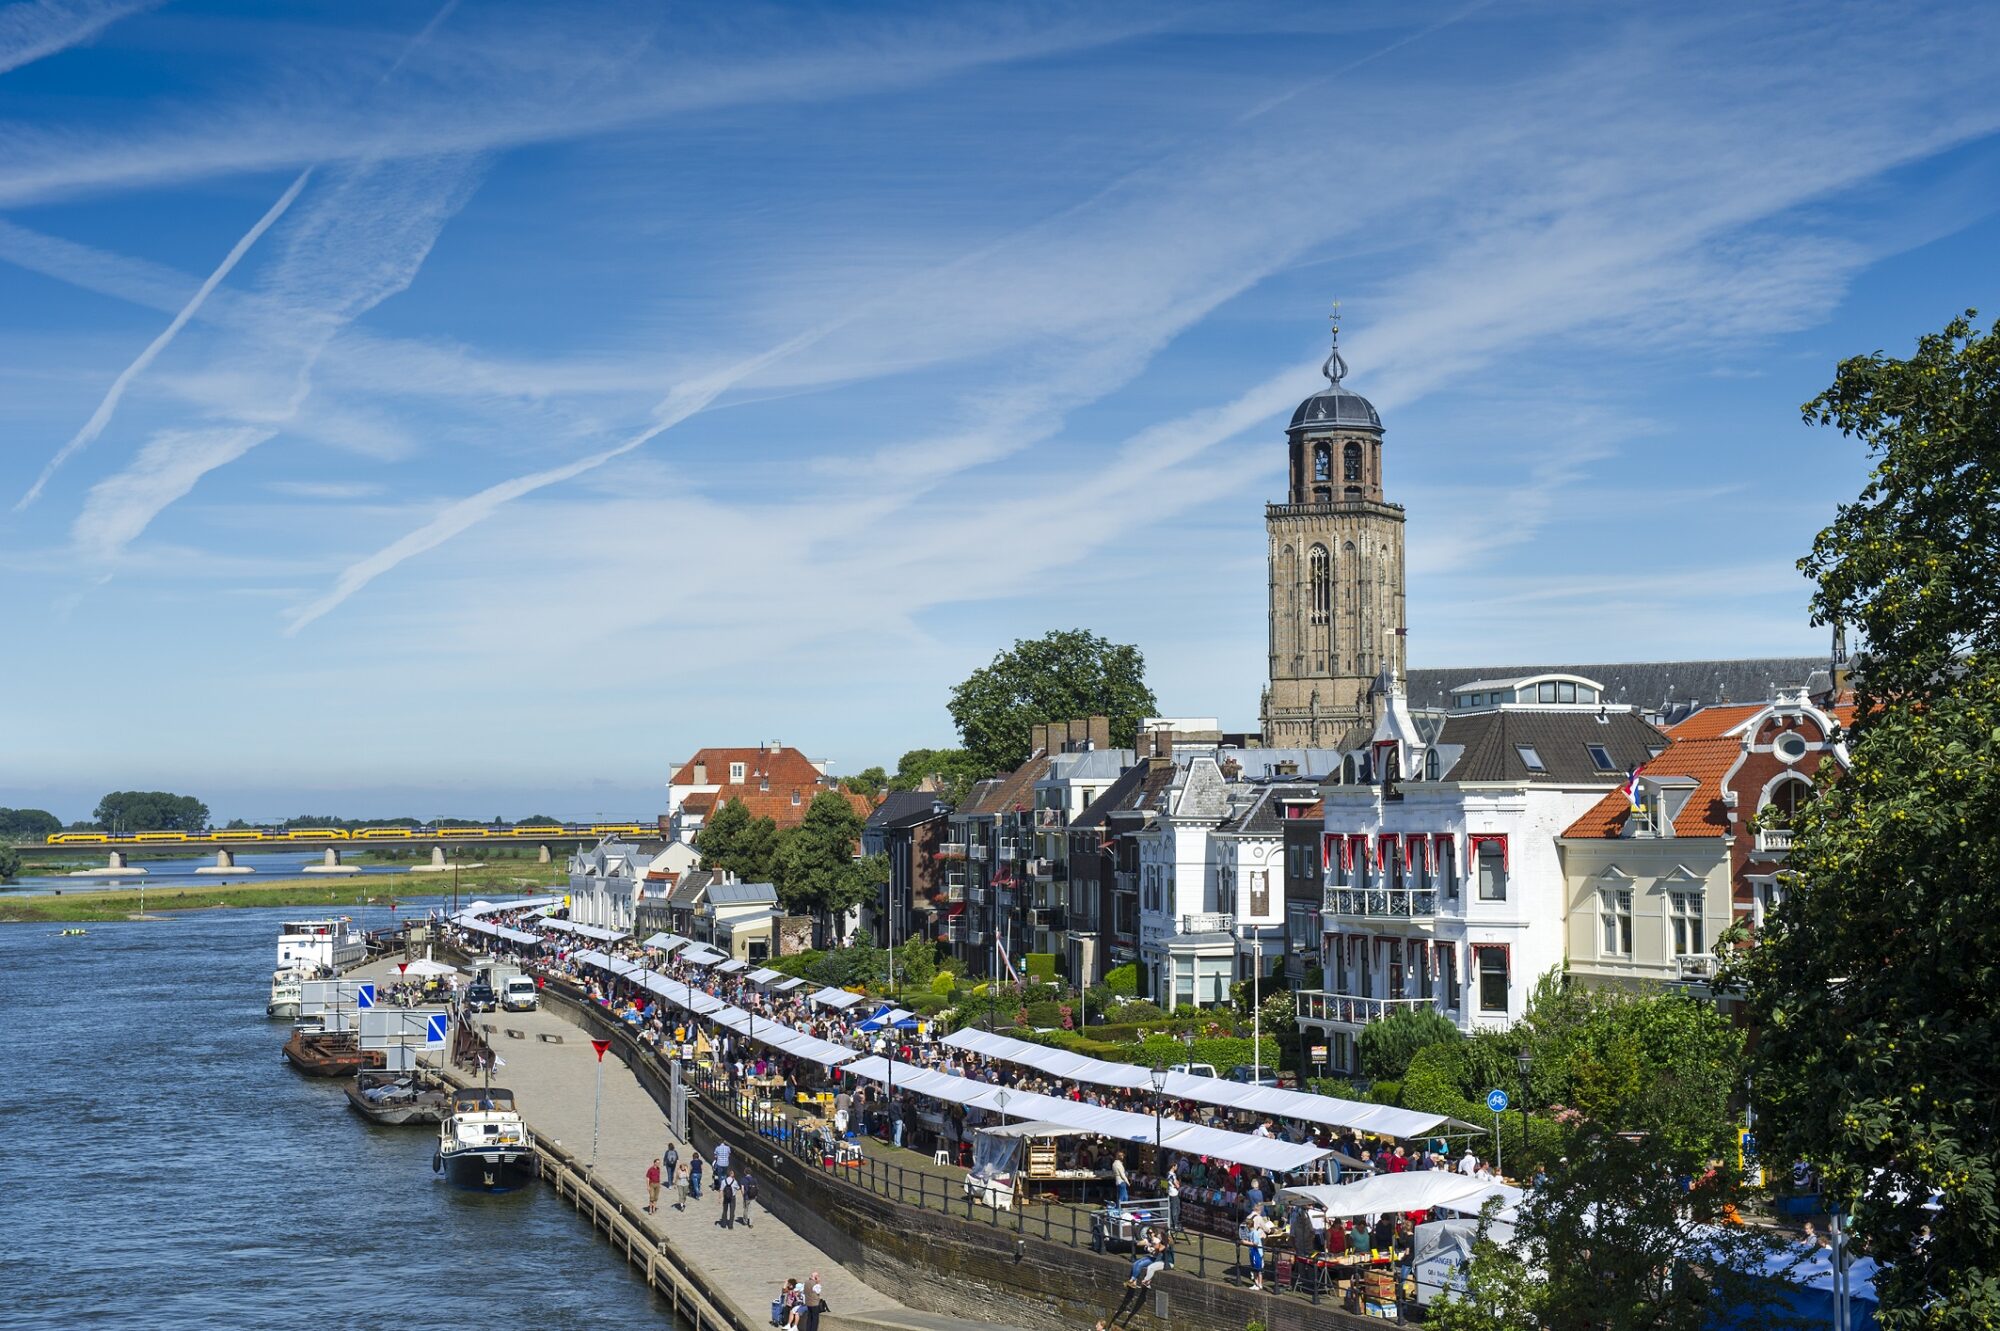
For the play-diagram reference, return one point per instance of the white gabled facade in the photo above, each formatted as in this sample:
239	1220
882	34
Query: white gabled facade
1447	891
1185	947
608	881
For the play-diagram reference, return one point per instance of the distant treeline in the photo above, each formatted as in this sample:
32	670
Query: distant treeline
126	811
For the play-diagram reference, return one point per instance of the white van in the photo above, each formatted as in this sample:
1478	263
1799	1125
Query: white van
520	995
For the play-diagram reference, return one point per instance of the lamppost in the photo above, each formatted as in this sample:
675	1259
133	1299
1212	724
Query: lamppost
1159	1076
1525	1061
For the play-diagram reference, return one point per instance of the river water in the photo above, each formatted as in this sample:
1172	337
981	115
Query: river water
252	866
164	1168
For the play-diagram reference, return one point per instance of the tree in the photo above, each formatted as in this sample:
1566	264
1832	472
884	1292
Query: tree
1388	1045
28	824
539	820
951	772
1878	1054
733	840
150	811
10	863
816	870
1623	1234
867	781
1062	675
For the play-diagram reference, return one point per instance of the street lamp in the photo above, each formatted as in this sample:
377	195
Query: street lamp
1525	1061
1159	1076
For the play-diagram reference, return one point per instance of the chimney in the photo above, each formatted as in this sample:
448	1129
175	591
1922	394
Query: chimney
1038	739
701	774
1098	730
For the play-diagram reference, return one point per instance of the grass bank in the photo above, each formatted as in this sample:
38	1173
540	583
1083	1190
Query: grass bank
379	890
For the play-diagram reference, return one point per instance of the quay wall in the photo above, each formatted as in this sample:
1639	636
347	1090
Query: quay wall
941	1263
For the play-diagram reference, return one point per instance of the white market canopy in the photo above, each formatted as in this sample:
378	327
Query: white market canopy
761	1030
666	942
763	975
702	956
480	908
1383	1120
1189	1138
424	967
479	926
1412	1190
731	966
837	999
786	986
582	930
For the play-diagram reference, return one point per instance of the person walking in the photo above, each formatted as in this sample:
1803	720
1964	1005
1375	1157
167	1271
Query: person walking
694	1177
725	1184
1253	1238
749	1195
721	1160
815	1302
1122	1179
672	1162
681	1188
652	1187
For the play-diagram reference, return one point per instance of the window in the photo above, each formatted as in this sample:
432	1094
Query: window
1492	871
1788	796
1319	572
1545	691
1614	907
1688	939
1322	463
1347	770
1584	693
1350	463
1448	961
1431	765
1768	894
1600	758
1789	747
1447	871
1492	978
1530	758
1565	693
736	774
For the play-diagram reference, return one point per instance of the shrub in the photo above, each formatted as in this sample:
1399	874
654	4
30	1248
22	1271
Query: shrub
1123	980
1384	1092
1045	1014
943	983
1041	965
1389	1045
1139	1009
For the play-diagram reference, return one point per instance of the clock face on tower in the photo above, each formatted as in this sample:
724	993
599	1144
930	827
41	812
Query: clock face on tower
1336	572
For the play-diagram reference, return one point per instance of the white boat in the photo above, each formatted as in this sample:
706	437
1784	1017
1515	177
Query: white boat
483	1143
286	993
319	946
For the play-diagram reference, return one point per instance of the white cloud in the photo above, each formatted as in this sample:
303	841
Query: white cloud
36	29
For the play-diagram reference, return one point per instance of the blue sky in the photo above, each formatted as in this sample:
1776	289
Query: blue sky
476	408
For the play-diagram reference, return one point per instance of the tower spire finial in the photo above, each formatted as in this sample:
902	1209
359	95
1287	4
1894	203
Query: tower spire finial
1335	368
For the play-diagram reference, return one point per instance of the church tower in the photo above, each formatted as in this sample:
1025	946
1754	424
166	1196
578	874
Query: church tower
1336	559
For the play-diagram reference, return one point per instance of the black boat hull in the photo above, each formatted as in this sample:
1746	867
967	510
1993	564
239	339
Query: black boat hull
489	1169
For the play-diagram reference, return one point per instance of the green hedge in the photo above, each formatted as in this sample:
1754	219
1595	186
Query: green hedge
1123	980
1041	965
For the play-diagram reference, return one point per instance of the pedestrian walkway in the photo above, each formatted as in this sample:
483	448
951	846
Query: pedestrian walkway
554	1080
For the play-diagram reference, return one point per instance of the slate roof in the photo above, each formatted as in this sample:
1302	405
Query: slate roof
1265	814
1135	789
1090	764
742	894
1202	793
903	808
688	891
1649	684
1492	741
1002	793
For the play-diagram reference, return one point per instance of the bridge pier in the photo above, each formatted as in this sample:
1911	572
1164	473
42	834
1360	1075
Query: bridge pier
332	864
225	862
546	856
116	866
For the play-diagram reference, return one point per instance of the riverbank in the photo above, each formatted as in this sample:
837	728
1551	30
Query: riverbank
85	907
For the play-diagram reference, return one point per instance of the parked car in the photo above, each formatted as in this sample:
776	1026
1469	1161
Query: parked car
479	997
1194	1069
1260	1077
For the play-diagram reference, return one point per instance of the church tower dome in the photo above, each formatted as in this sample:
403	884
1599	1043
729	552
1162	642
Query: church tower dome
1336	569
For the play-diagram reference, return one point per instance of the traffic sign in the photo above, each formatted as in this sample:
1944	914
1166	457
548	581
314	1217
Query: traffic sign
364	996
435	1024
1496	1100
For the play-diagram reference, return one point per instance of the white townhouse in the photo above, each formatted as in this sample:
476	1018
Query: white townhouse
608	882
1444	884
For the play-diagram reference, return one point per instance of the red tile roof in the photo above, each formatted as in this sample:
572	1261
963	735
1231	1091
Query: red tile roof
781	764
1714	722
1706	758
776	803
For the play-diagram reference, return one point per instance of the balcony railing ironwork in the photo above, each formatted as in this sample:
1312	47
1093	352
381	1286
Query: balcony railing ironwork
1382	903
1208	924
1353	1009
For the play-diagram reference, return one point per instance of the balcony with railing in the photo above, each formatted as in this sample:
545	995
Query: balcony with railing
1382	903
1774	841
951	850
1041	870
1051	820
1207	924
1351	1009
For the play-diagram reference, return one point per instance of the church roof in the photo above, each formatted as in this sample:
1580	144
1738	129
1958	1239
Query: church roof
1337	408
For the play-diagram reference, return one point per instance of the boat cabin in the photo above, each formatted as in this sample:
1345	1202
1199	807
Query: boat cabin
482	1100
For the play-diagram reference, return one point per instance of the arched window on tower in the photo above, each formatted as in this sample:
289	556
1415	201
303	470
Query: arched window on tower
1319	573
1350	462
1322	462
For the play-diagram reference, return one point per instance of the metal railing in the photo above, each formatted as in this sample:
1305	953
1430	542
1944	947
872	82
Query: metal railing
1207	924
1382	903
1041	869
1353	1009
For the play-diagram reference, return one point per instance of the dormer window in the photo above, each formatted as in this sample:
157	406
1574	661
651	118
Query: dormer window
1600	758
736	773
1530	758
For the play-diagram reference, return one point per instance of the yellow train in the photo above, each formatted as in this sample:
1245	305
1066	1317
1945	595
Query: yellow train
452	831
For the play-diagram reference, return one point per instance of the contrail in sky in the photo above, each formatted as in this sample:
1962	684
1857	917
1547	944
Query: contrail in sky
102	416
40	28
